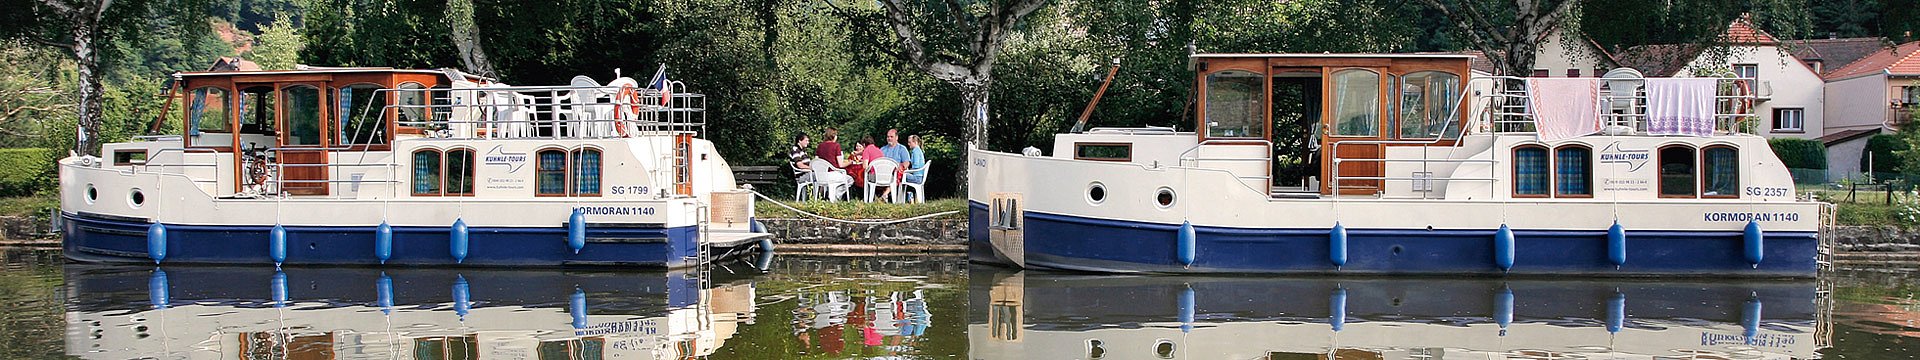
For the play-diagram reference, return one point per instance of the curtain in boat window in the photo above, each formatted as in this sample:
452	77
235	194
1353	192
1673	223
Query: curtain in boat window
209	111
361	120
460	172
1573	165
1356	103
586	172
1530	175
1723	172
551	175
426	172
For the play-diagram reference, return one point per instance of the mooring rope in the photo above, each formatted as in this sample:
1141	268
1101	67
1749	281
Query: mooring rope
855	222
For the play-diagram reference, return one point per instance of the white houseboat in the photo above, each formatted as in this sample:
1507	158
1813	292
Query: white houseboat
1408	164
366	166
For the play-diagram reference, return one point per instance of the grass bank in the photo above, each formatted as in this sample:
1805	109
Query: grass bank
864	210
31	205
1869	208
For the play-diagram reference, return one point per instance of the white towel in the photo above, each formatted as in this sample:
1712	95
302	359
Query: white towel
1564	108
1680	106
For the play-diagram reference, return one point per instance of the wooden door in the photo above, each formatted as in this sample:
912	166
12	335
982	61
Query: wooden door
1355	121
303	138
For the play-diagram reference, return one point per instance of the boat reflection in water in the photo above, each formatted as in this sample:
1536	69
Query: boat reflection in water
1043	315
339	313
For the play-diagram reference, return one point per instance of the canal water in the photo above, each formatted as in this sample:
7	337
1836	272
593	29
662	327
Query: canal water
934	307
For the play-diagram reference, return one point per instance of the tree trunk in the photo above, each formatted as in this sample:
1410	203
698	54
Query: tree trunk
466	38
86	139
974	110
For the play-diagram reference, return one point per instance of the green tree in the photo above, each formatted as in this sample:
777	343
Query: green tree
278	45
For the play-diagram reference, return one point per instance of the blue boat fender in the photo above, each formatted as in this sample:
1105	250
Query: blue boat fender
279	289
766	244
577	231
757	227
1185	243
1616	312
1753	238
1337	245
277	244
457	240
577	306
1750	319
1337	309
383	242
462	299
1186	310
157	242
157	289
1503	248
764	262
1617	244
383	289
1503	309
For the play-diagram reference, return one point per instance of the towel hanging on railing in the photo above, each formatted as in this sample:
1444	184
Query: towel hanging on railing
1680	106
1564	108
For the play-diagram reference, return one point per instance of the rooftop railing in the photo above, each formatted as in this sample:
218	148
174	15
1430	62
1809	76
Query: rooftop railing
1621	105
548	112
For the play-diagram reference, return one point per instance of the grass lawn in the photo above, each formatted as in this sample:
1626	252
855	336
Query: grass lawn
1866	208
37	205
864	210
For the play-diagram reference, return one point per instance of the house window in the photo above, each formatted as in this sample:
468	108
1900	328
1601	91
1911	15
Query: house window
1909	95
1721	171
1573	171
1541	73
1573	73
1677	171
1236	105
1746	71
551	175
1530	174
1356	103
460	172
1789	119
426	172
1103	151
208	112
586	172
361	120
1428	104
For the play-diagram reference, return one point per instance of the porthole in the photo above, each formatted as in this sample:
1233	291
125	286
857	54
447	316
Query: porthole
92	194
136	198
1164	349
1096	349
1164	198
1097	193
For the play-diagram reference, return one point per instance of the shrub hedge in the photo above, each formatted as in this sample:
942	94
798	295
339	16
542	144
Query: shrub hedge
1800	153
25	171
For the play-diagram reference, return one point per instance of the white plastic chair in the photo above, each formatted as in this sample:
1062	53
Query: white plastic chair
880	175
919	188
821	170
803	188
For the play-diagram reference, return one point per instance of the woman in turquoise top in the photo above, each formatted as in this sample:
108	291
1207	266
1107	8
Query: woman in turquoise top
919	160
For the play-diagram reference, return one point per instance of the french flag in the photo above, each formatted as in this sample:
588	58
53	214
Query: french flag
660	82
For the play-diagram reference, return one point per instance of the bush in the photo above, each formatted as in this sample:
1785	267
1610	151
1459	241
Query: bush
26	171
1800	153
1881	149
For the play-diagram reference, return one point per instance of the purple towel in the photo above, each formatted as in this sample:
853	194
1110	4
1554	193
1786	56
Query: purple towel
1680	106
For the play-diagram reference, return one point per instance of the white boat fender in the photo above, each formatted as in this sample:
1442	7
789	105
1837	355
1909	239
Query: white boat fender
157	242
157	289
277	245
577	231
1753	238
1186	242
457	240
1617	244
383	242
1503	248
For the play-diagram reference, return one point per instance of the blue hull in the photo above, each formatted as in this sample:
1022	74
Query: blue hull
1089	244
113	240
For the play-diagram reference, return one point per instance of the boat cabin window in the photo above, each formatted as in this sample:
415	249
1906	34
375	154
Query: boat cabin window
257	110
1721	165
443	174
1103	151
1356	103
301	111
1429	101
550	176
361	121
1573	171
1677	171
409	97
129	157
1530	174
586	172
208	111
1236	105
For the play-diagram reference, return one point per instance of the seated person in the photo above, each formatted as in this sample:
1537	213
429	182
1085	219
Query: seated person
919	160
830	148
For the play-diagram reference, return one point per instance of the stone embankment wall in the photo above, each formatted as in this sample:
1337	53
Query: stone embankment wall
27	230
814	235
1875	244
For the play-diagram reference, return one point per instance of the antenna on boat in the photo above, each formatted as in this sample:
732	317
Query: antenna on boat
1080	125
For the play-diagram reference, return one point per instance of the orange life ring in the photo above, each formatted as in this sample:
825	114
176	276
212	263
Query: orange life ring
631	98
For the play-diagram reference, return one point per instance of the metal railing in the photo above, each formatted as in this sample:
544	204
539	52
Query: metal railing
1622	105
1190	157
549	112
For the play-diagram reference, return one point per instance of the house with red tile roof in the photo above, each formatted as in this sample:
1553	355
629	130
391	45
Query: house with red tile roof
1826	55
1875	94
1791	102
